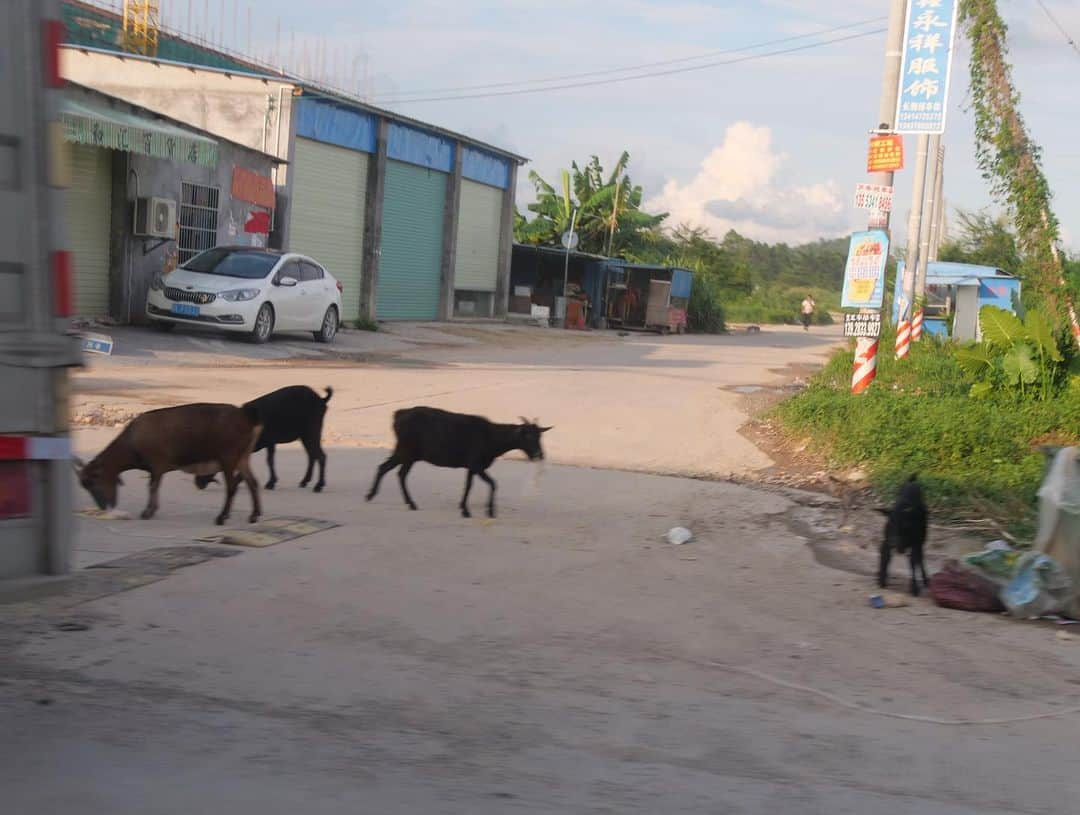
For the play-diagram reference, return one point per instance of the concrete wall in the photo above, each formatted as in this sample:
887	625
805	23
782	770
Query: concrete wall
248	110
142	258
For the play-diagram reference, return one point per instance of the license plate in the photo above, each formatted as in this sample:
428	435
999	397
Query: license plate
185	310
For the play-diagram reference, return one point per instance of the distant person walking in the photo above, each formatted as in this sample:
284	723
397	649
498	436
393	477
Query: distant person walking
808	306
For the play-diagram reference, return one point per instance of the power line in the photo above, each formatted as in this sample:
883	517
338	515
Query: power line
651	75
1059	26
639	66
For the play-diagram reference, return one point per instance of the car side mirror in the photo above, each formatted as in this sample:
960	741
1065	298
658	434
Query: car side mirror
288	282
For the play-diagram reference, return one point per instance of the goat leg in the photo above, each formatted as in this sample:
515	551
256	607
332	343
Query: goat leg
152	503
913	559
253	488
465	498
402	474
883	566
491	498
232	480
384	468
270	463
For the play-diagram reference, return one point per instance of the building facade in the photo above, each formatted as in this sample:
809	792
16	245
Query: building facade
415	221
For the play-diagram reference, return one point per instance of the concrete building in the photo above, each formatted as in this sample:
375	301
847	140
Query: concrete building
414	220
146	193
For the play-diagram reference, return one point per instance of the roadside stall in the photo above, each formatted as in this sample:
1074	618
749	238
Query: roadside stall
954	294
649	298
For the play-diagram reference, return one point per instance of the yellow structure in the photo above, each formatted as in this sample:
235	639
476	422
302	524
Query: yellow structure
141	27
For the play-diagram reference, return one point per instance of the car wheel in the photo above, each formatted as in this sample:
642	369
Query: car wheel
329	326
161	325
264	324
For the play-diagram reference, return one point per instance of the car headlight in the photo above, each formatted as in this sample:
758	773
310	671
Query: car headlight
239	295
158	283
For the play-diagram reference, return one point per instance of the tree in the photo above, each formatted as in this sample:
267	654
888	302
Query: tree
1011	161
609	216
984	240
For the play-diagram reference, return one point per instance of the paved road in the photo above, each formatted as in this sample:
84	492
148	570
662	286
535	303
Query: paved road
562	658
641	402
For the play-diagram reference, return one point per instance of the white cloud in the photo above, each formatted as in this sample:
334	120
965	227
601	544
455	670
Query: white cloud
738	187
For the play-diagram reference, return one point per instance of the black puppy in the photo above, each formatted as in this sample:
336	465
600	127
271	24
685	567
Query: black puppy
905	531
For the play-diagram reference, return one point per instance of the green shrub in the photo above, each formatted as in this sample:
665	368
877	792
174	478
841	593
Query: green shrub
974	456
705	314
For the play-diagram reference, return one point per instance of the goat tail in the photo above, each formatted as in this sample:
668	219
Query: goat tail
329	393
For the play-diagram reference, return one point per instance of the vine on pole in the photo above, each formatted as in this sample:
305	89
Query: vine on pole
1011	161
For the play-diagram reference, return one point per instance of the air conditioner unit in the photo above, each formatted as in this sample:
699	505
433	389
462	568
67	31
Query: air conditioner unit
155	218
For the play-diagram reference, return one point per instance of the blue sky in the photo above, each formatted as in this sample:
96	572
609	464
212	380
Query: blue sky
772	148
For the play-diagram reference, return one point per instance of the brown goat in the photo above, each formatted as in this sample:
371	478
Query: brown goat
201	439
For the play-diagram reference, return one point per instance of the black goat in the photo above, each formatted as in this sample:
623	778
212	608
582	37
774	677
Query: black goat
455	440
905	531
287	414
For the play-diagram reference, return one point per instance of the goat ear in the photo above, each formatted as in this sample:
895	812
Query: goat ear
546	429
523	420
885	512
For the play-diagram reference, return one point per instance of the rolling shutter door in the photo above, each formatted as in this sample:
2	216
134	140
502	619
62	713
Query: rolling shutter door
479	226
87	209
410	266
329	188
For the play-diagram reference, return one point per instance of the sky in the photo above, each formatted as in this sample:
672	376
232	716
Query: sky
771	147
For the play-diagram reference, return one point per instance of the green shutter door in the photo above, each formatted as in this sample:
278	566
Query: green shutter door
329	188
479	227
88	208
410	265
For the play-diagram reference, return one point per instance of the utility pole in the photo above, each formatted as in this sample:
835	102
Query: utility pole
938	224
866	347
932	168
911	257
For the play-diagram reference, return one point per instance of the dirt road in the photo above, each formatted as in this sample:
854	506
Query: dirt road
640	402
562	658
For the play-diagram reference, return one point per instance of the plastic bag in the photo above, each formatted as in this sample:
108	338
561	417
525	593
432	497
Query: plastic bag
1059	519
961	587
678	535
994	562
1039	587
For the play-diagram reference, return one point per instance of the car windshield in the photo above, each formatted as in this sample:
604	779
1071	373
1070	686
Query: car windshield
233	263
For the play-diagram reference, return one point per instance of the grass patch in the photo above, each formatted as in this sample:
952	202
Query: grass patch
780	306
975	457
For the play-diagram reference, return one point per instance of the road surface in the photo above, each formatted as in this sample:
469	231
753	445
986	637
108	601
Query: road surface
562	658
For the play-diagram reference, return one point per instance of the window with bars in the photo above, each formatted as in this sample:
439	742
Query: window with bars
198	219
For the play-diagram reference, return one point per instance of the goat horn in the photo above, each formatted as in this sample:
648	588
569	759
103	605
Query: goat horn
523	420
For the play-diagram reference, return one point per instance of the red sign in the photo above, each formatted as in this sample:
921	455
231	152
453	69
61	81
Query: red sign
252	187
258	222
886	154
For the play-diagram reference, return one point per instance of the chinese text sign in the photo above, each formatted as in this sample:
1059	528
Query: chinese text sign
929	31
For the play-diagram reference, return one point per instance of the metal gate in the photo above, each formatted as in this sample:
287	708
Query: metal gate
410	265
329	188
88	208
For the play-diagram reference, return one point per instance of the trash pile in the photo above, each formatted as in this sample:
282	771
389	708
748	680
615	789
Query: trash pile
1028	583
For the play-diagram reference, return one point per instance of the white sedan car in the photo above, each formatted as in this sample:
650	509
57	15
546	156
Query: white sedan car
250	290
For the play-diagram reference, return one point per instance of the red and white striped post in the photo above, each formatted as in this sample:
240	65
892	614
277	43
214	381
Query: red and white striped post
917	323
865	364
903	339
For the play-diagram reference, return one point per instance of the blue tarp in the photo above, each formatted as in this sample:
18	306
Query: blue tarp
477	165
414	146
334	124
681	281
